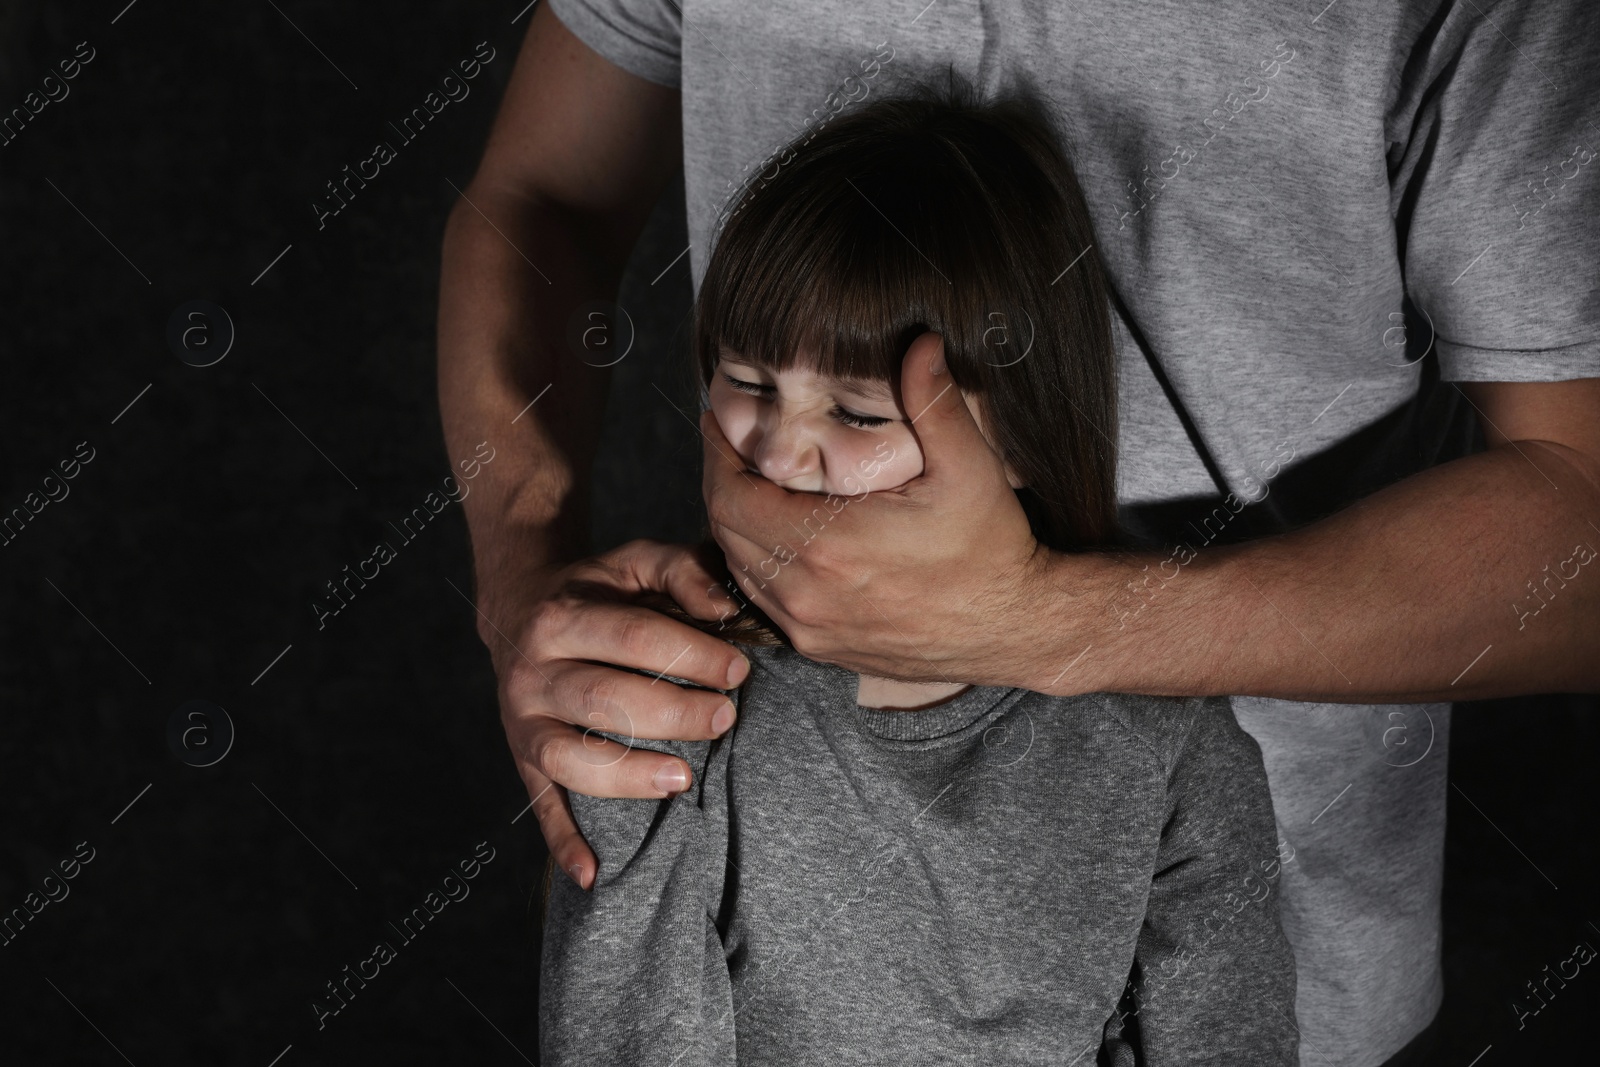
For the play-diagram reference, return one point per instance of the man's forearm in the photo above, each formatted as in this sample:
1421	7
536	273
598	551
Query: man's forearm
513	270
1471	580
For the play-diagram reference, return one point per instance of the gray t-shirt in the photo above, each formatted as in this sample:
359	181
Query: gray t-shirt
1269	185
975	882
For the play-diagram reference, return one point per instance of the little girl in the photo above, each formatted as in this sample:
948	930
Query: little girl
869	871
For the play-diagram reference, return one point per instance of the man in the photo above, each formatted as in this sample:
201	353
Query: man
1343	242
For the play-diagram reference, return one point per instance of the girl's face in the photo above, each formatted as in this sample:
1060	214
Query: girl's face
811	434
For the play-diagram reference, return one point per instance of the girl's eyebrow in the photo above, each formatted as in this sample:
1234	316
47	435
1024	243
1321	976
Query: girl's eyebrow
865	388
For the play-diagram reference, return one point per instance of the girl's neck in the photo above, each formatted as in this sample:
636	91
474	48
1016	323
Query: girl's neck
892	695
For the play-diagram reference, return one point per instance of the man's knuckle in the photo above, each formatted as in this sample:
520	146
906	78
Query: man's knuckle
598	691
549	755
542	624
520	678
678	717
633	632
547	799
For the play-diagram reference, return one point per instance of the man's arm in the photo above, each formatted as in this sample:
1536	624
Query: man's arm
579	154
1478	578
1420	592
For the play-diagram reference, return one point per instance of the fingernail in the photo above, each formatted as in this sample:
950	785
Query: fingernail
671	779
937	366
738	671
722	719
576	873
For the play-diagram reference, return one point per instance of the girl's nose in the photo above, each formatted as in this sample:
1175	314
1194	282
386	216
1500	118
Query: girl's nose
787	452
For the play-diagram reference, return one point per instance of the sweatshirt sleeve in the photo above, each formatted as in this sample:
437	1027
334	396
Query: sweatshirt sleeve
633	972
1214	977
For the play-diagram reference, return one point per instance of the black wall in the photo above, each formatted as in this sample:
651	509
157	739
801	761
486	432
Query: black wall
183	564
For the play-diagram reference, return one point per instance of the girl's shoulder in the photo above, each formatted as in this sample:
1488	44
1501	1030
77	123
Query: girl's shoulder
1169	725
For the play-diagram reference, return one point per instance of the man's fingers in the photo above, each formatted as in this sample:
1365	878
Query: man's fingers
701	584
694	577
561	835
575	627
585	762
599	697
647	563
759	580
721	457
590	657
725	475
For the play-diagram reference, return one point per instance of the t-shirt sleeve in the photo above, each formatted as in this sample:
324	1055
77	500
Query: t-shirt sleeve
1494	160
643	37
634	972
1214	976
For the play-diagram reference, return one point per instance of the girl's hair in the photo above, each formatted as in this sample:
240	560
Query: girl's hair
934	210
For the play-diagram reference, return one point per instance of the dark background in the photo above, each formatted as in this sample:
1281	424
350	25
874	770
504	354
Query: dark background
369	758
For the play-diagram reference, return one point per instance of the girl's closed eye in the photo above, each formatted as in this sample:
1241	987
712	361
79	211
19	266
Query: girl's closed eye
865	422
849	418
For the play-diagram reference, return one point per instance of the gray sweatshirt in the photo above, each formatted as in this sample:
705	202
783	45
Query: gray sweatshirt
1006	877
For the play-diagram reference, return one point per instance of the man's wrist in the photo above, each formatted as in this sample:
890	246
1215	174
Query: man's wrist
1078	611
1168	622
504	595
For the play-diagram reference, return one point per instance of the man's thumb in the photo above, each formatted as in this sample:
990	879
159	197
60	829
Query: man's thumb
938	412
